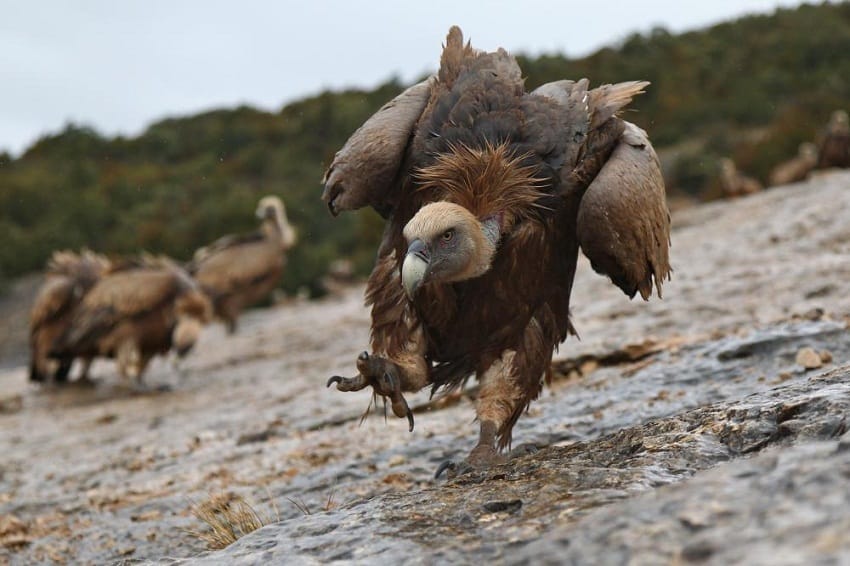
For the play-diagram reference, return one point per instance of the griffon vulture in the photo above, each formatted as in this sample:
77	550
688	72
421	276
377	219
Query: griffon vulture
69	276
835	143
734	183
489	191
237	271
797	168
137	311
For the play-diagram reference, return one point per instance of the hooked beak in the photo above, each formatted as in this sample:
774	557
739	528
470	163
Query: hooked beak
415	268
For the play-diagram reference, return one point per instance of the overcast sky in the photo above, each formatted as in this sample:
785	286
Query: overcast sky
119	65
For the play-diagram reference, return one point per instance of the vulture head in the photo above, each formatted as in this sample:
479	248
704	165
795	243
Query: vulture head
193	310
808	150
185	335
270	209
838	121
483	193
446	244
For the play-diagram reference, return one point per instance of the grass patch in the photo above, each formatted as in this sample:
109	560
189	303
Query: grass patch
229	517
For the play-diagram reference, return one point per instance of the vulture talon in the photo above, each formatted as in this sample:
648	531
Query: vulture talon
446	465
453	469
355	383
382	375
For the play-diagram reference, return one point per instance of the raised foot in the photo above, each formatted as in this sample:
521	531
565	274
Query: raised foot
382	375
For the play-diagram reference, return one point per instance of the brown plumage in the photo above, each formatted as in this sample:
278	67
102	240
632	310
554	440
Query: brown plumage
734	183
489	191
138	310
834	147
238	271
797	168
68	277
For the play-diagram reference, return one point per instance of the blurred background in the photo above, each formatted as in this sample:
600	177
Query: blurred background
157	126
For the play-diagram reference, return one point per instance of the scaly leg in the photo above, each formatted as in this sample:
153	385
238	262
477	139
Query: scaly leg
498	400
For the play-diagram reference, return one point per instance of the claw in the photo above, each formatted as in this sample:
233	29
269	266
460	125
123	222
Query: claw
348	383
447	465
401	409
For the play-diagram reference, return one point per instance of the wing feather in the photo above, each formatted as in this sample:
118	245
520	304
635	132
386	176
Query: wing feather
231	269
623	223
56	295
363	171
221	244
125	294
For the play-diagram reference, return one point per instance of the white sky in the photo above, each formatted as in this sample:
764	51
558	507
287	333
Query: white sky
118	65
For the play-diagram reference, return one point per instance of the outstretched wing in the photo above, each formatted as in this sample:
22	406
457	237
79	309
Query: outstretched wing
623	224
364	171
126	294
612	172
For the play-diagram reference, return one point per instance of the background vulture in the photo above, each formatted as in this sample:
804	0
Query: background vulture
796	168
69	276
137	311
489	191
835	142
237	271
734	183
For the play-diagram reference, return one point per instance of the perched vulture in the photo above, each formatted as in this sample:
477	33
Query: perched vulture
69	276
237	271
835	143
137	311
489	191
734	183
796	169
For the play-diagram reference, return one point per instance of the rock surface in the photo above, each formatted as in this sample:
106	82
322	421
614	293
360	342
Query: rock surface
676	431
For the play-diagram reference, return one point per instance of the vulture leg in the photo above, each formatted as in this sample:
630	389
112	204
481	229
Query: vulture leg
383	375
84	377
61	375
507	388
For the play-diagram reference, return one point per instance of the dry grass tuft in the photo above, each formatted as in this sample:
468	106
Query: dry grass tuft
229	517
299	504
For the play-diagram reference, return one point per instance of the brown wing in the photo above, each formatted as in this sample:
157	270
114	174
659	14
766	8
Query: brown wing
126	294
364	170
55	297
623	223
231	269
223	243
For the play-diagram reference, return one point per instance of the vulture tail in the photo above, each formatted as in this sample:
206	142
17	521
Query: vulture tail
606	100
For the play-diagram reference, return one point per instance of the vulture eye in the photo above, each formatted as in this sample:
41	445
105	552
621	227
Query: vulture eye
448	235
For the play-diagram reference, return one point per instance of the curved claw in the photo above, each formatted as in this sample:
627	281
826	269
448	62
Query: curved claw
401	409
447	465
348	383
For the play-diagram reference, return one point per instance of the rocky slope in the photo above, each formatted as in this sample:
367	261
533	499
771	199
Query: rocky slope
709	426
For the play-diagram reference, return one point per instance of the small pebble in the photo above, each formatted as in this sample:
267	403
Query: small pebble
809	358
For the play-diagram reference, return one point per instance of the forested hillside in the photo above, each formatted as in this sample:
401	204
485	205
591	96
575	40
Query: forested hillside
753	89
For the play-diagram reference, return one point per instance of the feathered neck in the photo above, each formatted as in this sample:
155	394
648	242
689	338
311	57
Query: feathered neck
278	228
491	182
